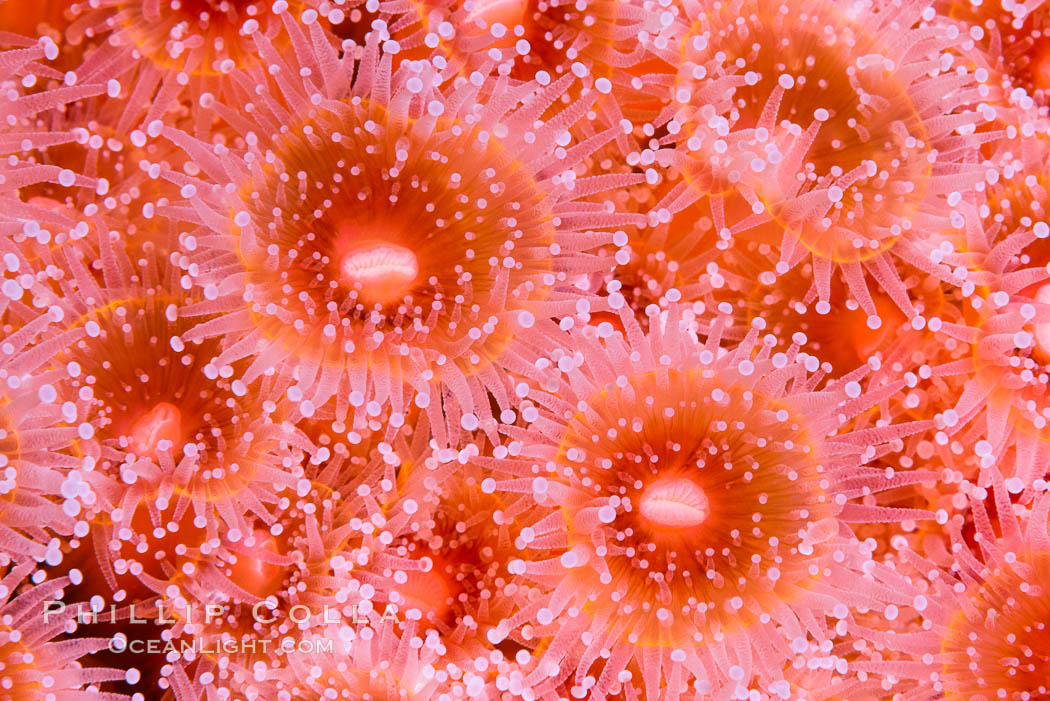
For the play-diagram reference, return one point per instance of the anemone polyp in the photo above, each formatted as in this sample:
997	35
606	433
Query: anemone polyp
777	123
699	496
802	77
1015	37
389	245
998	644
293	573
192	35
432	265
446	565
694	460
136	410
1008	374
161	421
841	333
41	657
981	616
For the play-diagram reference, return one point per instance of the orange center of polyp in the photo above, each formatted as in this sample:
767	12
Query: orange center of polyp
254	574
1040	66
426	591
674	503
381	272
162	423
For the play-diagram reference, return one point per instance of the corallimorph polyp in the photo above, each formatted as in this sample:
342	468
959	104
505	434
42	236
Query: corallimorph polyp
556	37
36	664
982	628
387	242
154	53
837	123
701	503
167	427
999	648
1015	38
649	350
447	565
377	663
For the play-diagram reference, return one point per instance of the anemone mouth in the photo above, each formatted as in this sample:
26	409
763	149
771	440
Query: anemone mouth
713	481
461	573
161	424
456	542
253	567
1000	643
271	580
380	272
455	587
674	503
396	230
429	594
807	101
673	258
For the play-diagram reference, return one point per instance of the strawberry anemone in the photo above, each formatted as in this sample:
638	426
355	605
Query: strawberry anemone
445	567
157	54
163	430
376	662
394	239
702	499
982	619
1005	380
557	37
1005	319
1015	39
839	333
818	138
672	260
304	571
40	661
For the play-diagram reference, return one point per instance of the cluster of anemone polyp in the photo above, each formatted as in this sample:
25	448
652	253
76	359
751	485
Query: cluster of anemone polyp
423	350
